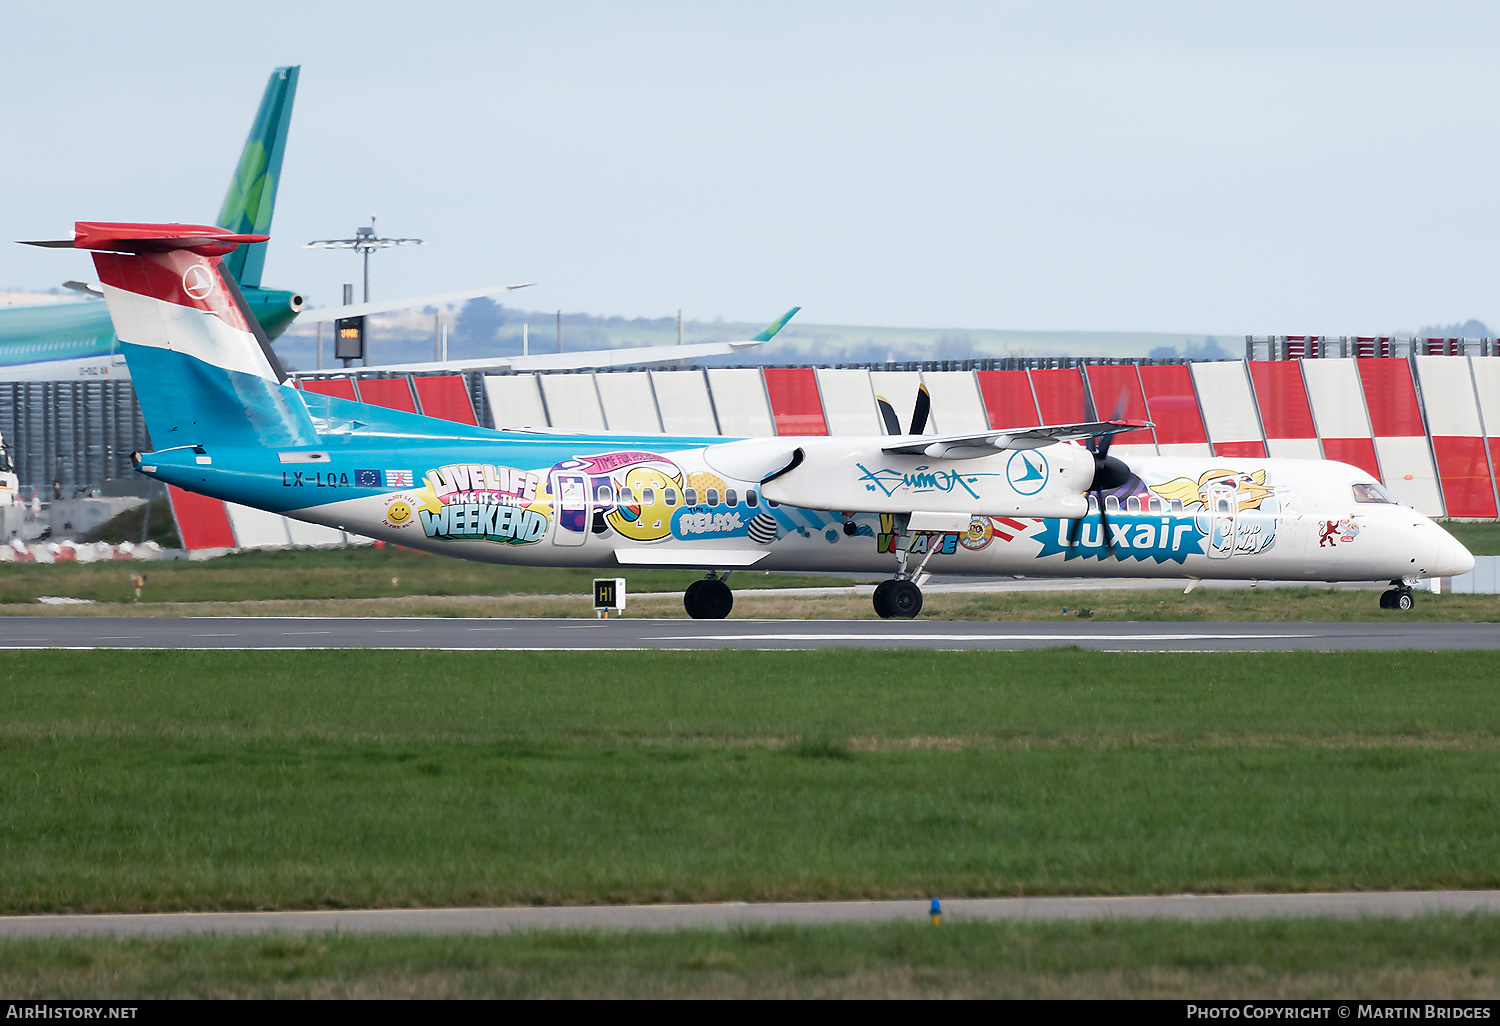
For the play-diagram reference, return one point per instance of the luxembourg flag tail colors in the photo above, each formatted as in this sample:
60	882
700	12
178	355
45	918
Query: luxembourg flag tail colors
225	421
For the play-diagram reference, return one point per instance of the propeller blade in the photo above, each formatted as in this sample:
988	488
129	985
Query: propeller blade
920	411
1101	448
1109	546
888	416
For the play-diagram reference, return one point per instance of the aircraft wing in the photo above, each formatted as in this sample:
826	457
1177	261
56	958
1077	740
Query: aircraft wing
987	443
333	313
582	360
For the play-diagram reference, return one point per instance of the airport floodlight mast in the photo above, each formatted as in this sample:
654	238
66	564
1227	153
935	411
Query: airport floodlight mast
365	241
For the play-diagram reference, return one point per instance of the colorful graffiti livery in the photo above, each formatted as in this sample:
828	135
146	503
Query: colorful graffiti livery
482	520
474	502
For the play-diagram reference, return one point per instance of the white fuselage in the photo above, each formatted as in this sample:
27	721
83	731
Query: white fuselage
1180	517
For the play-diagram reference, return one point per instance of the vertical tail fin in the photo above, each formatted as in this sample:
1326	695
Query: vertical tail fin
251	198
202	368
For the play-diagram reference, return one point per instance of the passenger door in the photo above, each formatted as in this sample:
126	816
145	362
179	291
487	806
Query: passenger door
574	511
1223	503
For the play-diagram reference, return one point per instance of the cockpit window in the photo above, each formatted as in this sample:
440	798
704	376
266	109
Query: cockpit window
1368	491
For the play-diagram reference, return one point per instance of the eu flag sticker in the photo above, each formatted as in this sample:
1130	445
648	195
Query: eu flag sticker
367	479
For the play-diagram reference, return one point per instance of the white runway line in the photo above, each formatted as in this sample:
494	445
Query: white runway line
978	637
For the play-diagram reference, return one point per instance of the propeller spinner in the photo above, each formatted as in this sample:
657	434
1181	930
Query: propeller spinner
1110	472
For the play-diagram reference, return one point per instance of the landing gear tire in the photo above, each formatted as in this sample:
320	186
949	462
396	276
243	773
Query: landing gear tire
1397	598
898	598
708	600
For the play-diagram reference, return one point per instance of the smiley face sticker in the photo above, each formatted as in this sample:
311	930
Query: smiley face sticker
400	511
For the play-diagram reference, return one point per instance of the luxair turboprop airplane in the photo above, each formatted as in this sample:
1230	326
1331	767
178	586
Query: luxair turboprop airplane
226	423
70	341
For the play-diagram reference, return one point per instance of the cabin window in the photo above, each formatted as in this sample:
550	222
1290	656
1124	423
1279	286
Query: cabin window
1176	505
606	495
751	499
648	496
713	497
627	496
1111	504
1133	504
1368	491
730	498
1223	505
671	496
690	496
773	504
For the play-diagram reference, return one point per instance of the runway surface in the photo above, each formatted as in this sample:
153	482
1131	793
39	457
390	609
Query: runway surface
723	916
625	634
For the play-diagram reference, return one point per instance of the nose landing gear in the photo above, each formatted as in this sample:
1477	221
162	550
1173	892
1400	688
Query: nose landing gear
708	599
1399	597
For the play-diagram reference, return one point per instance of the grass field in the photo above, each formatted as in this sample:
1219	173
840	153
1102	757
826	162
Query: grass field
1436	957
333	574
203	780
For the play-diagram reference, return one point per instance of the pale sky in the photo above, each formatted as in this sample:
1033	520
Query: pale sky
1260	168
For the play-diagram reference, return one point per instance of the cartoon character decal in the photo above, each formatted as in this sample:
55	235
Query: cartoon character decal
644	508
1238	510
1331	532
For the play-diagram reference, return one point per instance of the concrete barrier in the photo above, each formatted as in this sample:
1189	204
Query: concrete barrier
1484	579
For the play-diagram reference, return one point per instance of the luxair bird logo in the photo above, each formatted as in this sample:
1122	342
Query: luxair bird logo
1026	472
197	281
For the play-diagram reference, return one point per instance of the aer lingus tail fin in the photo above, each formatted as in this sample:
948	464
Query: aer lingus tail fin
252	190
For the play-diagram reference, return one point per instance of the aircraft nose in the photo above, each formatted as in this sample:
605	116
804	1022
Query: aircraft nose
1452	559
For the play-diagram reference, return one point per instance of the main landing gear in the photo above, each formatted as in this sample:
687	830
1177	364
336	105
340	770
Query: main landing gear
900	596
1398	597
708	599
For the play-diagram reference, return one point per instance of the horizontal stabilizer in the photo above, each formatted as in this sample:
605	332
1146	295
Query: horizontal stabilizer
114	237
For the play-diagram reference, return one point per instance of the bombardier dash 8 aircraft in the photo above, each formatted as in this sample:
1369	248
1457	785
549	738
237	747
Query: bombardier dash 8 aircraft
227	423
